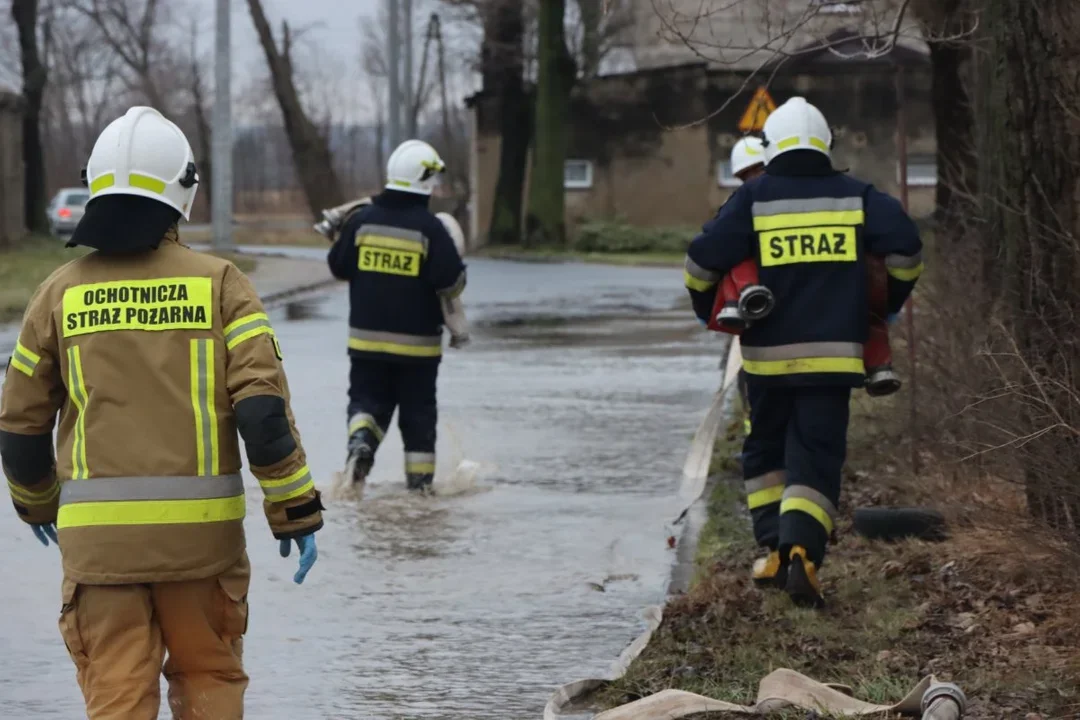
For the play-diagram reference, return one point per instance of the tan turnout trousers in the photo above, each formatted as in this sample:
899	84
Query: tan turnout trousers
122	637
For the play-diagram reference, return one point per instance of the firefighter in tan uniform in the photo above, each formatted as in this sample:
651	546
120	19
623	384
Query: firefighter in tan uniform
155	357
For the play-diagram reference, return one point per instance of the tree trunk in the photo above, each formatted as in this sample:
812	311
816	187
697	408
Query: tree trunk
592	13
35	75
954	124
546	223
503	70
310	150
1030	149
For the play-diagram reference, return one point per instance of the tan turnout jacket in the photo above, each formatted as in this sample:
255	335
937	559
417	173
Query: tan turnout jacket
144	358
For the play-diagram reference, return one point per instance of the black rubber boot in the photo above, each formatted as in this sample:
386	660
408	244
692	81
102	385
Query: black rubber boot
361	455
802	583
420	483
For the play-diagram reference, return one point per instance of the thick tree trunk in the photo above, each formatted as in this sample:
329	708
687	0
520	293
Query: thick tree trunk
545	223
592	13
503	69
310	150
947	24
1030	187
35	75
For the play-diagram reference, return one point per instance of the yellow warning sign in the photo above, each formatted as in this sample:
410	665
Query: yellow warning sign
759	108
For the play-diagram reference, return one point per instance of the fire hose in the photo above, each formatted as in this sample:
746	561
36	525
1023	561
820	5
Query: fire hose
943	701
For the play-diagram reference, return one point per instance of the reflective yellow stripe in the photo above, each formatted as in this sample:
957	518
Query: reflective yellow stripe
804	365
361	421
808	219
697	284
906	274
32	357
281	482
145	182
243	337
100	183
390	243
768	496
819	144
28	497
202	402
24	369
395	348
151	512
420	468
78	395
810	508
253	317
282	497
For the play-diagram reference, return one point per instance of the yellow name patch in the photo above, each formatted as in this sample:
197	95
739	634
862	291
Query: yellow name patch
391	262
178	303
811	244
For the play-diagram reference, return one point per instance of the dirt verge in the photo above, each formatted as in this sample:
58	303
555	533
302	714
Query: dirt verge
992	608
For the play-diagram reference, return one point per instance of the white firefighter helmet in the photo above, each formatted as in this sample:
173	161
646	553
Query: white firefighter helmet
455	231
796	125
414	167
144	154
747	153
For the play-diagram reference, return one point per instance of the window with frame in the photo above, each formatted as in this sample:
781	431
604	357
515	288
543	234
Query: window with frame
724	176
577	174
921	170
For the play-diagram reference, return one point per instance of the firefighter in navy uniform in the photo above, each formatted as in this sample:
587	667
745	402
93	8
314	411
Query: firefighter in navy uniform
810	229
402	267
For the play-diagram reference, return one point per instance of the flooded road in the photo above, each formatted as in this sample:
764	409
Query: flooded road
577	398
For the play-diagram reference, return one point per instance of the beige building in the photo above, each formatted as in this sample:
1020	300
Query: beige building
12	179
651	147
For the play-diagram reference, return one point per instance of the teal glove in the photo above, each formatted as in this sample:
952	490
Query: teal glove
45	532
308	555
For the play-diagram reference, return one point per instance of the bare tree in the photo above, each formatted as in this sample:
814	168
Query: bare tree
545	222
131	29
311	152
35	77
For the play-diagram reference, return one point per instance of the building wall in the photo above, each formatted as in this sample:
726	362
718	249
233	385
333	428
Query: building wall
655	156
729	34
861	106
12	179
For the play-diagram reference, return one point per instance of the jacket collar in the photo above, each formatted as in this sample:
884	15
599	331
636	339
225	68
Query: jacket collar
801	163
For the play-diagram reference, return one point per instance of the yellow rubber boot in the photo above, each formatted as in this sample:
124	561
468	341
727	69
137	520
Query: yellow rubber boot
769	571
802	584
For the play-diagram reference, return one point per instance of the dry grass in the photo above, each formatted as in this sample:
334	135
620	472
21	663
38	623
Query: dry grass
992	608
24	267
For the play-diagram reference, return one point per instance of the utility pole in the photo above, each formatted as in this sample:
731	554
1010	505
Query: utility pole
393	52
221	143
407	76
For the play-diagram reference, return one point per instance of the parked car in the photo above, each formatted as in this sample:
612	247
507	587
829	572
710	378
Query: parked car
66	210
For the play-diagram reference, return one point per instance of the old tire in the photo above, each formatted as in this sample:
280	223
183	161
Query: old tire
890	524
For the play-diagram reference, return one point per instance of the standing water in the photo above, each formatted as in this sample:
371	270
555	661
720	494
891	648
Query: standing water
576	401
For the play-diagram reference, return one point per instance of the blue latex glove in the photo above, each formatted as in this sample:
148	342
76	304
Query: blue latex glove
702	323
891	318
45	532
308	555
